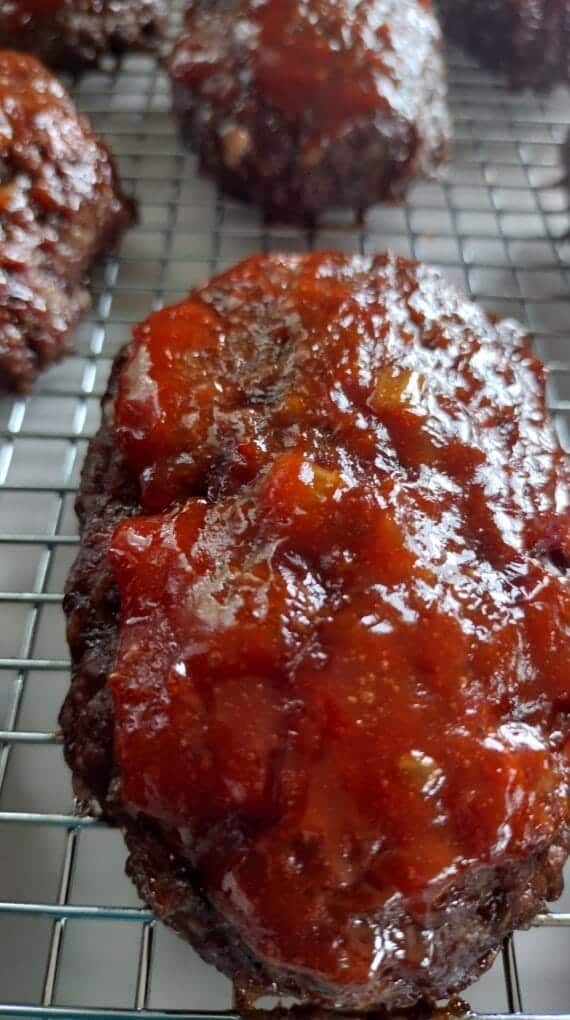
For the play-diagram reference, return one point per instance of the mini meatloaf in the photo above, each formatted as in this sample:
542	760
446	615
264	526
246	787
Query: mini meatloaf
307	105
60	207
526	40
74	34
319	625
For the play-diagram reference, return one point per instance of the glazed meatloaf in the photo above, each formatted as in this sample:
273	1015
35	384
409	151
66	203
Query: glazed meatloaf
74	34
527	40
306	105
319	624
60	207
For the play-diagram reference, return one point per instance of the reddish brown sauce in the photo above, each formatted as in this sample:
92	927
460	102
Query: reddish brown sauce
327	61
337	56
342	673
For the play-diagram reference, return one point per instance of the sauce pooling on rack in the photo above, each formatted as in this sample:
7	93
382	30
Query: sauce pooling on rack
342	670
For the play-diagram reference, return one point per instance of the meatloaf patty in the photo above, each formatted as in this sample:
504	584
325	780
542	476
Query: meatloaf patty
319	625
304	106
61	206
74	34
527	40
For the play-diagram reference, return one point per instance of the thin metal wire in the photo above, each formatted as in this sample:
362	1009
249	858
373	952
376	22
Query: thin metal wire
498	224
92	913
512	985
145	966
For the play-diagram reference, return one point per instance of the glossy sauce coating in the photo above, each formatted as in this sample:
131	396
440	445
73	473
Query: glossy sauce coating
286	98
342	672
47	154
324	61
60	205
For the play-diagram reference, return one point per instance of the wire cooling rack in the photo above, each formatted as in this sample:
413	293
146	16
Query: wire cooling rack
74	939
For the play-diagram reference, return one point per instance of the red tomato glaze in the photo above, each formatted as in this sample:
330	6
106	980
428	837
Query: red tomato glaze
342	672
331	62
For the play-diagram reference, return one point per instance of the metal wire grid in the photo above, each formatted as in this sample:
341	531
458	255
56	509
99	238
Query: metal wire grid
74	939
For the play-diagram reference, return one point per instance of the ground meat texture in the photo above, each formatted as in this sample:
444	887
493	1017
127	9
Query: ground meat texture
312	105
60	207
74	34
527	40
319	625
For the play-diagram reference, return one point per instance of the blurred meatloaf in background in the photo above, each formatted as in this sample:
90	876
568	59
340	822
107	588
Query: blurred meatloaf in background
526	40
74	34
61	206
308	105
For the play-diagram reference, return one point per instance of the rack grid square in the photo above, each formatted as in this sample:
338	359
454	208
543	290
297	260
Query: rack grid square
75	940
